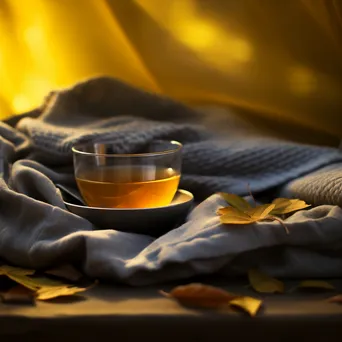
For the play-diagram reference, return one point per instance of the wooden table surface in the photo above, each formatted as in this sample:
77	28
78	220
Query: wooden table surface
127	314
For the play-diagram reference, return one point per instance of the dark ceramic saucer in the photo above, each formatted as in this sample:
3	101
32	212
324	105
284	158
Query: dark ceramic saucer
149	221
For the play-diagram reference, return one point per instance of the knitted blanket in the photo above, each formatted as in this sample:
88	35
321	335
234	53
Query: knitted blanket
37	231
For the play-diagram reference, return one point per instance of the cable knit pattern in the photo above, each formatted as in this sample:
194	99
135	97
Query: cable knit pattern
36	230
92	110
321	187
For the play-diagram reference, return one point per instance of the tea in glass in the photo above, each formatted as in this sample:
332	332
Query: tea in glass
143	180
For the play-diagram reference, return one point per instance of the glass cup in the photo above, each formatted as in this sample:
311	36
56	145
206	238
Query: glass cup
146	179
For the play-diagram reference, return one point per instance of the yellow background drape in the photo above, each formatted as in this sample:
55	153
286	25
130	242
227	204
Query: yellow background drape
278	59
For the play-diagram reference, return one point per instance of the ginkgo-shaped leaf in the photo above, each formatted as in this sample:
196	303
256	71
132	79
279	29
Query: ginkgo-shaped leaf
241	212
236	201
248	304
235	216
263	283
225	210
200	295
260	212
286	206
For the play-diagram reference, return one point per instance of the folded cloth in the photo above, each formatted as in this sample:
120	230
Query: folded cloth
37	231
319	187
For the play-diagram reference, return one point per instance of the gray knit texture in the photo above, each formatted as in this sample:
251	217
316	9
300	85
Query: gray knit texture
105	109
37	231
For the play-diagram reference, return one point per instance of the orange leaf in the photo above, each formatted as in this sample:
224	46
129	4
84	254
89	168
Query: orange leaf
18	295
199	295
336	299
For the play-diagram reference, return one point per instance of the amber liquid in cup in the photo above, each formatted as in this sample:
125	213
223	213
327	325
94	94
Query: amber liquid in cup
128	187
146	179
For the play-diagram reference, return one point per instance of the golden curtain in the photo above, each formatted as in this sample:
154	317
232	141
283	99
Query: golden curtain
278	59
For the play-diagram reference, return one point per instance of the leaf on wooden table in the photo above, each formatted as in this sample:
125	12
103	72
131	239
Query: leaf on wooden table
34	283
43	288
199	295
236	201
67	272
5	269
263	283
18	295
336	299
316	284
47	293
19	275
286	206
248	304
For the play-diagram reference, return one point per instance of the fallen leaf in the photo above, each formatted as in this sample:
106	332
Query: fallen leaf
19	275
199	295
5	269
67	272
235	216
42	287
225	210
336	299
316	284
260	212
241	212
286	206
236	201
34	283
18	295
46	293
248	304
263	283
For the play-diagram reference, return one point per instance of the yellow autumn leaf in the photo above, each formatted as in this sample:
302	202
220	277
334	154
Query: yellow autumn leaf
46	293
316	284
263	283
235	216
43	288
248	304
33	283
236	201
5	269
19	275
260	212
225	210
286	206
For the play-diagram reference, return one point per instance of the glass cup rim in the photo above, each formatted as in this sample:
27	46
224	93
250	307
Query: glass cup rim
179	146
